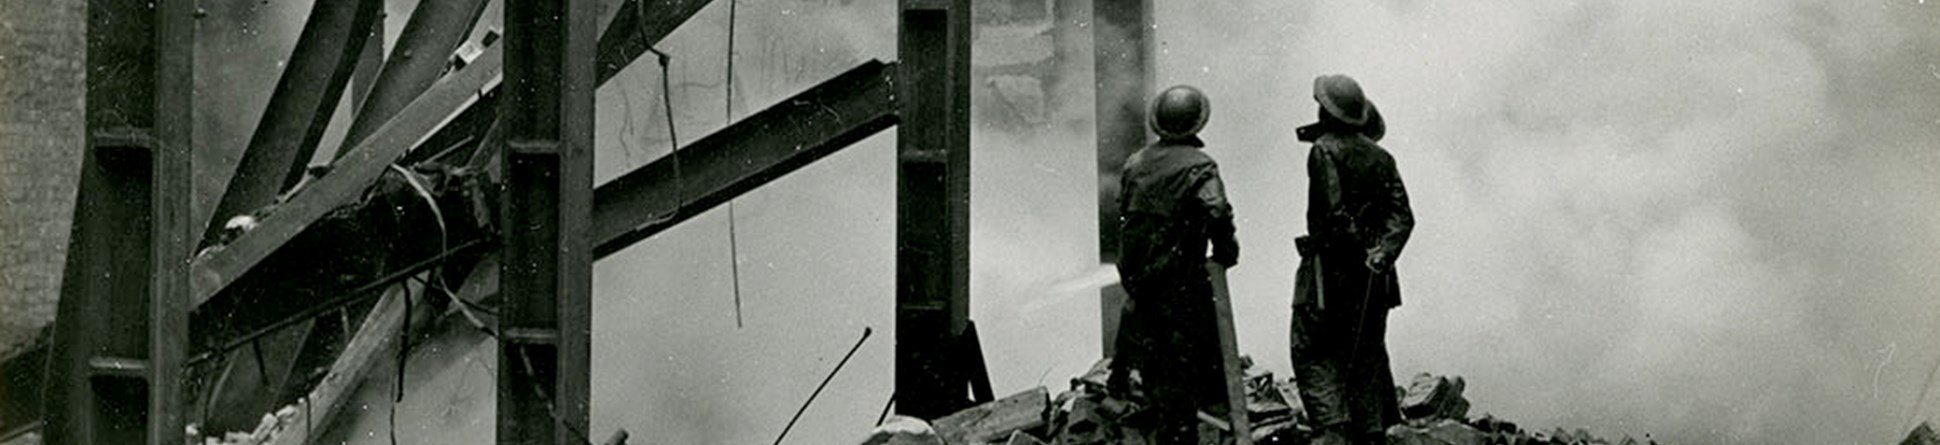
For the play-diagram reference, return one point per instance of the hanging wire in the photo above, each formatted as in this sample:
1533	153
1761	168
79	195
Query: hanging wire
734	250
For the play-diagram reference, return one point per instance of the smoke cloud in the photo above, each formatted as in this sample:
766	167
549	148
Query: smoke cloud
1704	222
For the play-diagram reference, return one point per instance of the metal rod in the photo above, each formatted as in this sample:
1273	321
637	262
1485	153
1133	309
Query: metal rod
885	409
825	383
361	293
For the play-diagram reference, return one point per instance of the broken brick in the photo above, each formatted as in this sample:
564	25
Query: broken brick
1431	397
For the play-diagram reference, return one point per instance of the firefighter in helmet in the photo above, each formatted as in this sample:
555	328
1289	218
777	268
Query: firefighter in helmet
1173	207
1358	219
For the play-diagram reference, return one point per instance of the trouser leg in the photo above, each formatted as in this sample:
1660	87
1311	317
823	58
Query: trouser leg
1317	369
1169	389
1370	382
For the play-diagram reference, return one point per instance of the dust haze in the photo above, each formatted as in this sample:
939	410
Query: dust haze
1705	222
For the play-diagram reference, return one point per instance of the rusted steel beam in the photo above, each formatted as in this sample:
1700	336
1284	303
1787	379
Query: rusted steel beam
215	271
932	205
170	236
117	354
300	107
545	350
435	29
126	298
753	151
353	174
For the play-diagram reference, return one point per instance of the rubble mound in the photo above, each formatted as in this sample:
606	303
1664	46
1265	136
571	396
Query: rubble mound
1097	411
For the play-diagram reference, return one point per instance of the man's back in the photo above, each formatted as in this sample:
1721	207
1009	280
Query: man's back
1356	196
1173	203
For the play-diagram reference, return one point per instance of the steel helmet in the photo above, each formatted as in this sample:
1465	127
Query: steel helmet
1341	98
1179	112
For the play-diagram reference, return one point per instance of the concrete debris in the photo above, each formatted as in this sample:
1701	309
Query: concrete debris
1922	435
1441	432
1093	413
1021	438
996	421
265	431
903	430
1489	424
1432	397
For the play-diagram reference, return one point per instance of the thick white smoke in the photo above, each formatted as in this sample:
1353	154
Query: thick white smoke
1707	222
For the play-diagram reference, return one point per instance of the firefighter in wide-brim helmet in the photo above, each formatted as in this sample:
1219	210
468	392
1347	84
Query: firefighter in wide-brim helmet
1173	207
1358	219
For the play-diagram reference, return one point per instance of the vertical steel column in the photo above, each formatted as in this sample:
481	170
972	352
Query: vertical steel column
1123	68
170	237
932	204
544	380
116	373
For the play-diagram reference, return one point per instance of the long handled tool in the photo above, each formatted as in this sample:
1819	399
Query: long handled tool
1235	374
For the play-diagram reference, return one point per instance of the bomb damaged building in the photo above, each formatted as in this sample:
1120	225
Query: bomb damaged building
298	223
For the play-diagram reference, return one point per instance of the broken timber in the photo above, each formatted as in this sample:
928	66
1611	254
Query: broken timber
1231	366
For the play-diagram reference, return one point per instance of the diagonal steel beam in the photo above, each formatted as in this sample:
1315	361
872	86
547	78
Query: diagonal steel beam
355	172
300	107
751	152
434	30
214	272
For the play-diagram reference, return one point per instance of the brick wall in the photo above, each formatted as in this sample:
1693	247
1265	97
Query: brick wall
42	45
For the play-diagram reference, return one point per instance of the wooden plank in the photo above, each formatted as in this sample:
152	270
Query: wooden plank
995	421
377	338
1235	373
353	173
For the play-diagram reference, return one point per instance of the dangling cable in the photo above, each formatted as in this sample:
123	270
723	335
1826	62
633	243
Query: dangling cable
667	101
734	250
673	138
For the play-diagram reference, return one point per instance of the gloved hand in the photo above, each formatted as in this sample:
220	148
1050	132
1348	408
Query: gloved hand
1227	258
1378	261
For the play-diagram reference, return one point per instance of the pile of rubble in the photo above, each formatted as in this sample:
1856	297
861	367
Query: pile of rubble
1090	414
